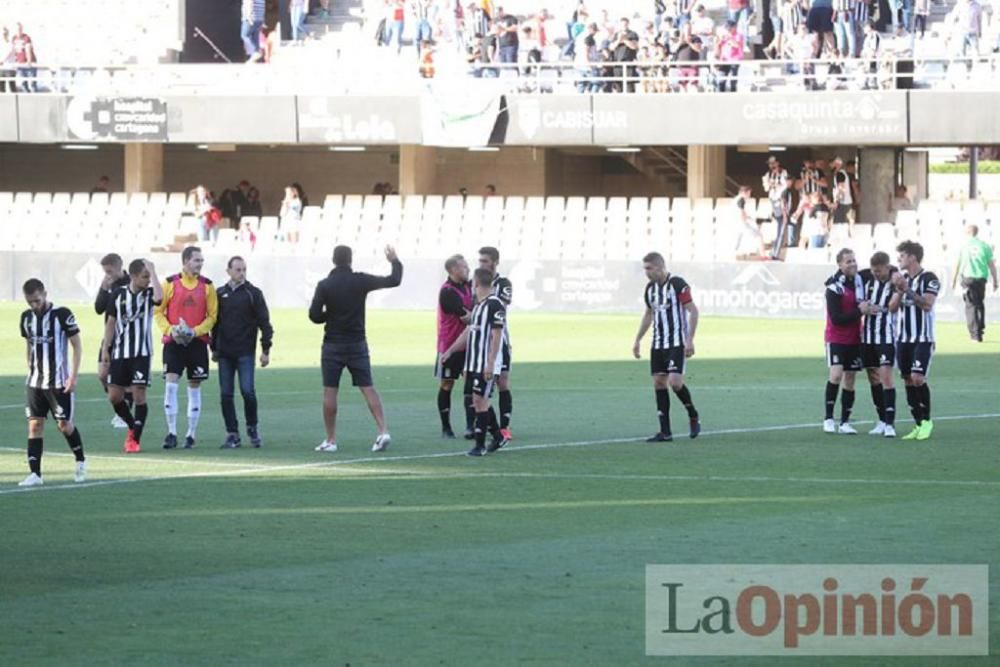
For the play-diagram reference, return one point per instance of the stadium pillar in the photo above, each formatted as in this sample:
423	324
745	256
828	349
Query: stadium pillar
417	170
143	167
878	177
706	175
915	171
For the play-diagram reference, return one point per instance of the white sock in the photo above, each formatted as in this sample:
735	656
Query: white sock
194	410
170	406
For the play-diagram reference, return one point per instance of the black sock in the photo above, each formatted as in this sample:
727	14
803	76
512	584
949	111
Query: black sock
663	409
470	412
75	443
914	402
846	405
129	400
831	398
889	405
122	410
684	396
925	401
141	411
482	421
878	399
444	408
35	455
506	405
493	426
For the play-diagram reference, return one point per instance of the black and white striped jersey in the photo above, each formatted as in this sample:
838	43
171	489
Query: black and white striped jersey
879	327
487	315
666	301
133	313
502	290
48	350
915	324
811	180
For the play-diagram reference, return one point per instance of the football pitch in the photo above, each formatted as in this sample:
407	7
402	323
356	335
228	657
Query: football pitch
424	556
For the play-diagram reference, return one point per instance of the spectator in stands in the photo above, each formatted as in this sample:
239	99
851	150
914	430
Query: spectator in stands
253	206
298	9
302	194
811	178
491	191
425	11
842	194
426	60
291	215
702	26
251	20
921	10
7	70
103	185
246	235
819	21
776	184
688	61
586	56
25	59
815	216
749	238
508	41
739	13
233	202
899	200
209	216
968	20
625	47
729	52
870	52
395	21
844	28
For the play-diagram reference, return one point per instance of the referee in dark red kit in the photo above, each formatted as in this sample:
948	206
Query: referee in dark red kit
339	304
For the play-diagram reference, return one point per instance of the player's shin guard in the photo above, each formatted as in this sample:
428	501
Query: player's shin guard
492	425
194	410
878	400
75	443
121	409
506	405
889	406
663	410
141	412
846	405
444	408
35	455
913	400
925	401
831	398
684	396
170	406
482	421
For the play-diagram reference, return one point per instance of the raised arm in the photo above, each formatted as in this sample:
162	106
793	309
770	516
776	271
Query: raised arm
392	280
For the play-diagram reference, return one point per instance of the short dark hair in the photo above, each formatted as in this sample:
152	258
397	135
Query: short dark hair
452	262
342	255
490	252
136	267
880	259
492	187
33	286
974	229
483	277
911	248
844	252
654	258
189	252
234	258
112	259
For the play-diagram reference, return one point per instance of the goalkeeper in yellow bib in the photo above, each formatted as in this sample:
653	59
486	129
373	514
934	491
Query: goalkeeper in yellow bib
186	316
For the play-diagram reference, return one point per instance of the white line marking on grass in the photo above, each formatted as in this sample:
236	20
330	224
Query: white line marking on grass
147	459
553	445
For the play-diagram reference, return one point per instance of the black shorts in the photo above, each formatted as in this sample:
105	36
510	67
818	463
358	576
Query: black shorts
39	403
670	360
481	386
848	356
820	19
352	356
451	369
915	358
505	357
191	359
128	372
877	355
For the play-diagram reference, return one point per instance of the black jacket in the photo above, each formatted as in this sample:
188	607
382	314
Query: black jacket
102	304
339	302
242	311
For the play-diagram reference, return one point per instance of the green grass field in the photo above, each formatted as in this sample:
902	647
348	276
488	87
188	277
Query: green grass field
424	556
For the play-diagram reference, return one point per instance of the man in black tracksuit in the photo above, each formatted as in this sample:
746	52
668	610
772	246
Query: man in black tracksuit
115	276
242	312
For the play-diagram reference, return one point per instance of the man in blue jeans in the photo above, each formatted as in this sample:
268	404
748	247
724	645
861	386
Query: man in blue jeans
242	312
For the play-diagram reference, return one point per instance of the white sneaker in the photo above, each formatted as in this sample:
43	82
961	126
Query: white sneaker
879	429
846	429
329	447
31	480
118	422
81	472
382	443
829	426
889	432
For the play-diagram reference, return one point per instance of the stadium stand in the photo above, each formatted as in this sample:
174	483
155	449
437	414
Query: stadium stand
542	228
